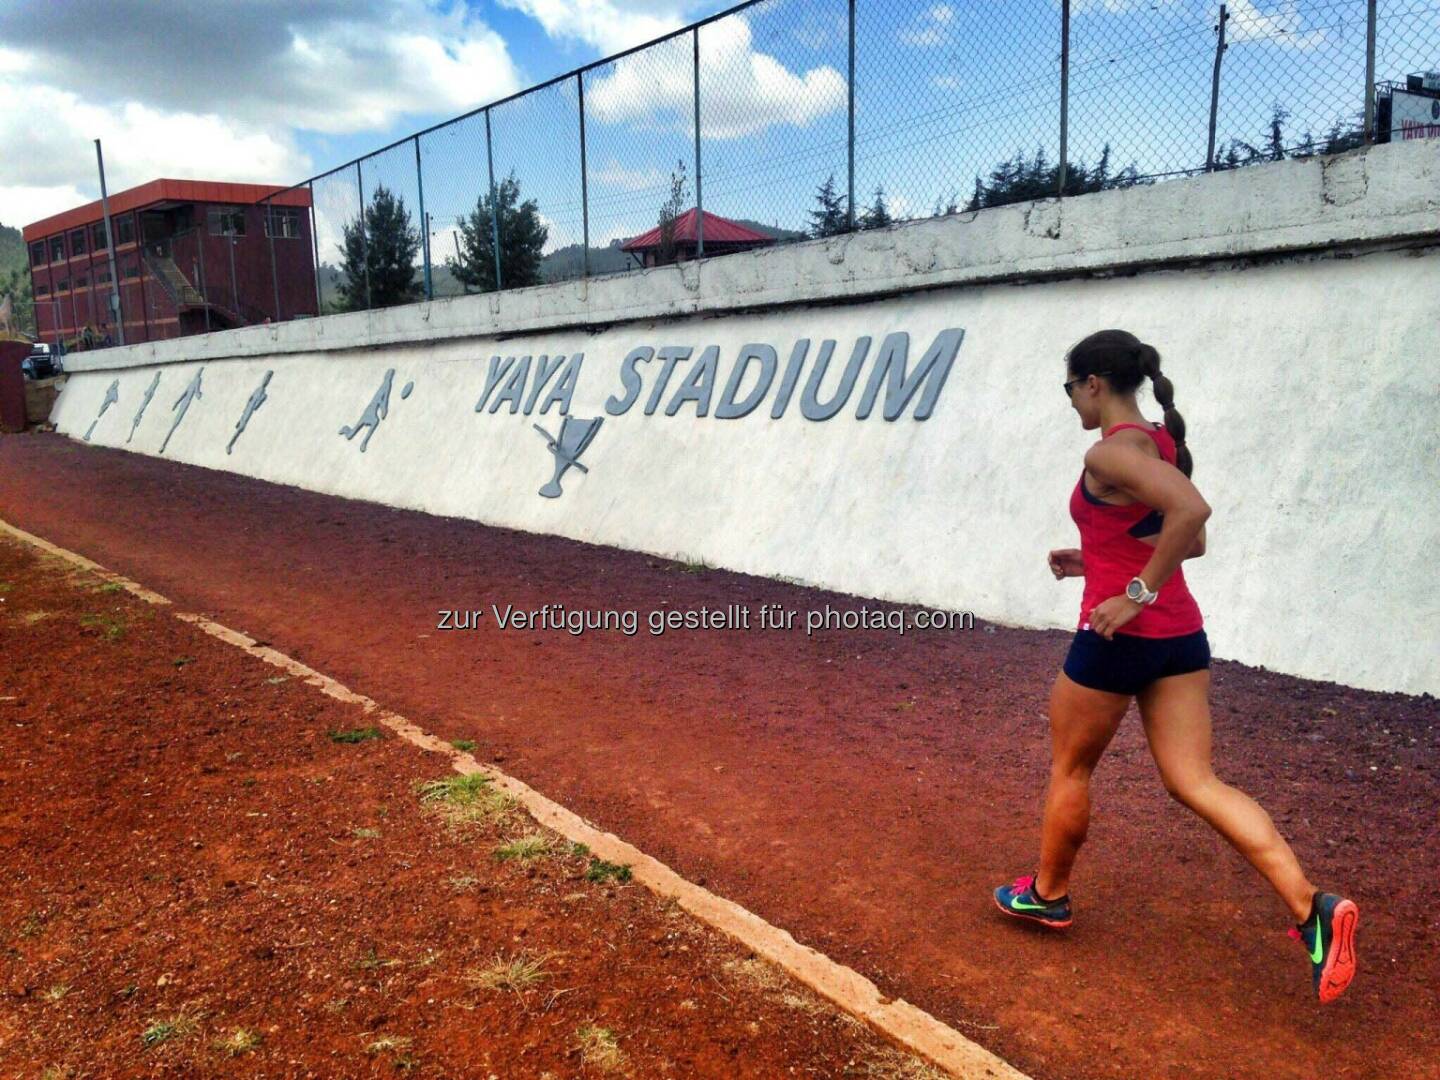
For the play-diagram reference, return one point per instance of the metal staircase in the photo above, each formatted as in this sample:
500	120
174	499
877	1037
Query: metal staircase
186	297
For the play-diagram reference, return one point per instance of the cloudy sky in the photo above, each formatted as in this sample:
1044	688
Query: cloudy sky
268	90
282	90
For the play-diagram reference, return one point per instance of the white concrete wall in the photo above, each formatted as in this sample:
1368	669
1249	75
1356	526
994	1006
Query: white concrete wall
1310	385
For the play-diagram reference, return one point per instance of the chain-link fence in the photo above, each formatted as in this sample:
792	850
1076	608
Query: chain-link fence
779	120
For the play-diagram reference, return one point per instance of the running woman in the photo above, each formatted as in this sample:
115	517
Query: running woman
1141	636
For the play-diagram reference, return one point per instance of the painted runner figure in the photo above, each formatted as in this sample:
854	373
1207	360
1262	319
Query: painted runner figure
377	410
1141	636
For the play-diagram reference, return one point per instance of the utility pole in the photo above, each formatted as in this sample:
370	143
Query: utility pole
118	314
1215	90
1064	92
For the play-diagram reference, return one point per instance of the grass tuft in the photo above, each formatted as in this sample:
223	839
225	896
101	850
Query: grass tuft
372	960
359	735
240	1041
388	1044
56	992
112	625
893	1064
600	870
520	972
532	846
182	1024
466	800
365	834
599	1047
464	745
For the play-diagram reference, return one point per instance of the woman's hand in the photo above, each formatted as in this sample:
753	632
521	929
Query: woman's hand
1109	615
1066	562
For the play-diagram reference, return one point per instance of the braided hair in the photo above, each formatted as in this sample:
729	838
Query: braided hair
1125	361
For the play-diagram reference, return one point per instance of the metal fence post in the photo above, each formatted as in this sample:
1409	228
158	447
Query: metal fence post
1064	91
315	251
364	246
1370	73
699	195
1215	90
274	272
424	220
584	183
494	205
850	137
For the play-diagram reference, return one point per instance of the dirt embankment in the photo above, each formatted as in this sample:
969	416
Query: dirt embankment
212	869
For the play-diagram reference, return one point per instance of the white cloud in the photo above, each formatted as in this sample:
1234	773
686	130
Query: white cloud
614	175
57	168
601	23
932	27
20	204
1281	26
221	90
742	91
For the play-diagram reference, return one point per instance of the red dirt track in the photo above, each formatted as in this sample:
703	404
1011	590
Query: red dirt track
862	790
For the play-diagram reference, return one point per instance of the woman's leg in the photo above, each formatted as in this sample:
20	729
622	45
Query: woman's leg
1082	723
1176	713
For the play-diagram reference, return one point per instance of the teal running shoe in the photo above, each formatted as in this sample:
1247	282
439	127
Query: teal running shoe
1020	901
1329	937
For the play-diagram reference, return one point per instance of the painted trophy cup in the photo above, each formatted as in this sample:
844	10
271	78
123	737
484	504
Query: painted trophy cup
575	435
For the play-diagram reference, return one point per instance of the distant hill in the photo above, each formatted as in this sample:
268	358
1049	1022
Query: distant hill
15	276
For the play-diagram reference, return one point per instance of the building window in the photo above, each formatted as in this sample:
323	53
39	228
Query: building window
37	253
77	242
102	278
124	230
227	221
82	282
42	288
63	285
57	249
98	240
283	222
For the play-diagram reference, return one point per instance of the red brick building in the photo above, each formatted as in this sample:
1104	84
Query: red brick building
192	256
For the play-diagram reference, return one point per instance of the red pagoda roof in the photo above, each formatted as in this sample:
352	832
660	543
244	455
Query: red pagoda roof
718	230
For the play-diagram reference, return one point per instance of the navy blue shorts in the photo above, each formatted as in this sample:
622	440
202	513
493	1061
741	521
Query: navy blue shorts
1126	664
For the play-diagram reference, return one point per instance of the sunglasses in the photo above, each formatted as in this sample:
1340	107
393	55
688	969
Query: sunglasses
1070	386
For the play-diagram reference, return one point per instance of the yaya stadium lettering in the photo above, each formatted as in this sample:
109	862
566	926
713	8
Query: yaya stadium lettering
819	379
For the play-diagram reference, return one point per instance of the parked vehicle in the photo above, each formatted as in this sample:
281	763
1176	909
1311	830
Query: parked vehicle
42	363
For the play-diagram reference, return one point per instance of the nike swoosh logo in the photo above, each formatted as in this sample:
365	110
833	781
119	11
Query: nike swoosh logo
1019	905
1318	953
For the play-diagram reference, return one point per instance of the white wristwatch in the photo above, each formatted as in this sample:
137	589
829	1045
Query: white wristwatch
1141	593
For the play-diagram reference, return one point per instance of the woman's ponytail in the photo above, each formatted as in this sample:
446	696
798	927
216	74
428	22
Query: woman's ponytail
1164	392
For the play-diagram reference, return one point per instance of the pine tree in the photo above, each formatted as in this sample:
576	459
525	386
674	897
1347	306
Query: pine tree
379	263
1275	138
1021	179
522	240
832	216
878	214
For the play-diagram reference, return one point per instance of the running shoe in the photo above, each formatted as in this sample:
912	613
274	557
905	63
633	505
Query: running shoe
1022	902
1329	937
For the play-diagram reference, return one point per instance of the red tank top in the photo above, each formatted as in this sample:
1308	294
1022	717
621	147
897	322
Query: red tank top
1113	554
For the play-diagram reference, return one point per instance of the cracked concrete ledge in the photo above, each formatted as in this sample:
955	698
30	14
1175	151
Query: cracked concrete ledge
1372	196
897	1019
